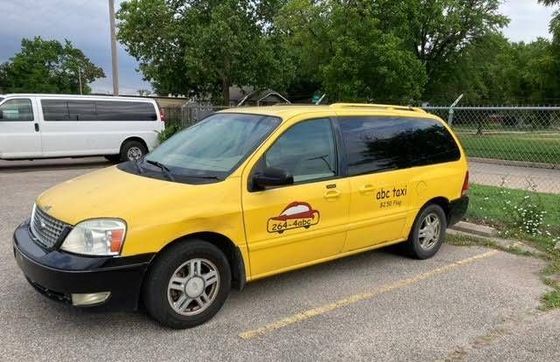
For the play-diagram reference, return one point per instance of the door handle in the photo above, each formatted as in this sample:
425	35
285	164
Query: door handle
36	127
367	188
332	194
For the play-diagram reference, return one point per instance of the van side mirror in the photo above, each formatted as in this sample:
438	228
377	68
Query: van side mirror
1	114
271	177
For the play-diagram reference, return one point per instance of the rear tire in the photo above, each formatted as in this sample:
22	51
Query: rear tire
187	285
428	233
132	151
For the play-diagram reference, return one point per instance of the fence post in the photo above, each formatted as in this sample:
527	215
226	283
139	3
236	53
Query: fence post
451	111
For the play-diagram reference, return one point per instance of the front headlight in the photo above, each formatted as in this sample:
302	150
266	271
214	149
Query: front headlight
101	237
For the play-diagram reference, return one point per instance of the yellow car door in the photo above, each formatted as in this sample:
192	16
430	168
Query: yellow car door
289	225
378	171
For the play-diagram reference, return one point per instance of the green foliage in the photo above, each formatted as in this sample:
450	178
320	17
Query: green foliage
362	50
342	48
502	208
201	48
438	32
170	129
47	66
529	215
551	300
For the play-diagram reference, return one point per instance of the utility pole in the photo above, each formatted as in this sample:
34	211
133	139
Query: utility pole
80	78
114	48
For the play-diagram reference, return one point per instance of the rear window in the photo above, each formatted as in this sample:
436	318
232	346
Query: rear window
375	144
78	110
125	111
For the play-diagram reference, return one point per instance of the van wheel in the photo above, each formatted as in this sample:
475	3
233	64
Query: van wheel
188	285
428	233
132	151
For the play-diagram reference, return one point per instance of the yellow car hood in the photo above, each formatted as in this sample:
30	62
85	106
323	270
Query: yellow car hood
156	211
112	193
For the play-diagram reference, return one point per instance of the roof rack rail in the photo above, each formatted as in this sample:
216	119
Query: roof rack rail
378	106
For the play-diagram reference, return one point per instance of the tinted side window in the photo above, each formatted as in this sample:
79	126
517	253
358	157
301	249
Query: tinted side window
17	110
306	150
430	143
81	110
125	111
55	110
376	144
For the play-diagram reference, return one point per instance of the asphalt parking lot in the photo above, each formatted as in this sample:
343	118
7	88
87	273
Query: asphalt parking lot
464	304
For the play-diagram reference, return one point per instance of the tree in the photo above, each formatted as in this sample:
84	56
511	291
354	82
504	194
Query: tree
493	70
202	47
47	66
439	31
339	47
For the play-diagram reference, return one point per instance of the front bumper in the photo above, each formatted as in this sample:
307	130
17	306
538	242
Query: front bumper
58	274
457	210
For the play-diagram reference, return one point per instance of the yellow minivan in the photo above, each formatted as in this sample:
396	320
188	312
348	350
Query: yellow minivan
244	194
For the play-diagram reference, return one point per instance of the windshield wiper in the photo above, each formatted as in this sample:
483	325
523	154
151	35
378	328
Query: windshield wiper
164	169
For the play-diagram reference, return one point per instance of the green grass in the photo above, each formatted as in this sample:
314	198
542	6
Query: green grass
551	300
530	147
488	202
489	205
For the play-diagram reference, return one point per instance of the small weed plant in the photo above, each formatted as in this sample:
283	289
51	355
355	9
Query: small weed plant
528	214
170	129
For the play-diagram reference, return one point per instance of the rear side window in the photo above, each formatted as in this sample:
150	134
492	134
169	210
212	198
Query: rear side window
78	110
125	111
81	110
55	110
375	144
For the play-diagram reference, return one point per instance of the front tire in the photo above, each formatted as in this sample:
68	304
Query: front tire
132	151
428	233
187	285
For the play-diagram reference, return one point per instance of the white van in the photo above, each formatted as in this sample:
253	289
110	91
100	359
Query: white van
50	126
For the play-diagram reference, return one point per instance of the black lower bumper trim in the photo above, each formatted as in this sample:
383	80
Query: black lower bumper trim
57	274
457	210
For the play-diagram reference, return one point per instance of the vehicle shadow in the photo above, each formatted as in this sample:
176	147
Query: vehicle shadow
271	290
53	164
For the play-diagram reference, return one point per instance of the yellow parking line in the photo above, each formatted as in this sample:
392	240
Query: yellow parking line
310	313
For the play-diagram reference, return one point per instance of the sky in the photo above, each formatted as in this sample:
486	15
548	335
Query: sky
86	24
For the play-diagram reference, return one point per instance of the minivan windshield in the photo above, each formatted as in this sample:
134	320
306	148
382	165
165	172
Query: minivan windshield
211	149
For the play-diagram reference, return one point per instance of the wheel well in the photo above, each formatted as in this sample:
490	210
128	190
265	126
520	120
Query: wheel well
223	243
442	202
138	139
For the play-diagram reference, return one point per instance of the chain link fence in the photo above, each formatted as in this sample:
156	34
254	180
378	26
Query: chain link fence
515	147
189	114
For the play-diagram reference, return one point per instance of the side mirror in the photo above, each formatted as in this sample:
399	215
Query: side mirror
271	177
1	114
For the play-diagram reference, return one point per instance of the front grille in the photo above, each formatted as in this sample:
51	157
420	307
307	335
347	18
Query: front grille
46	229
